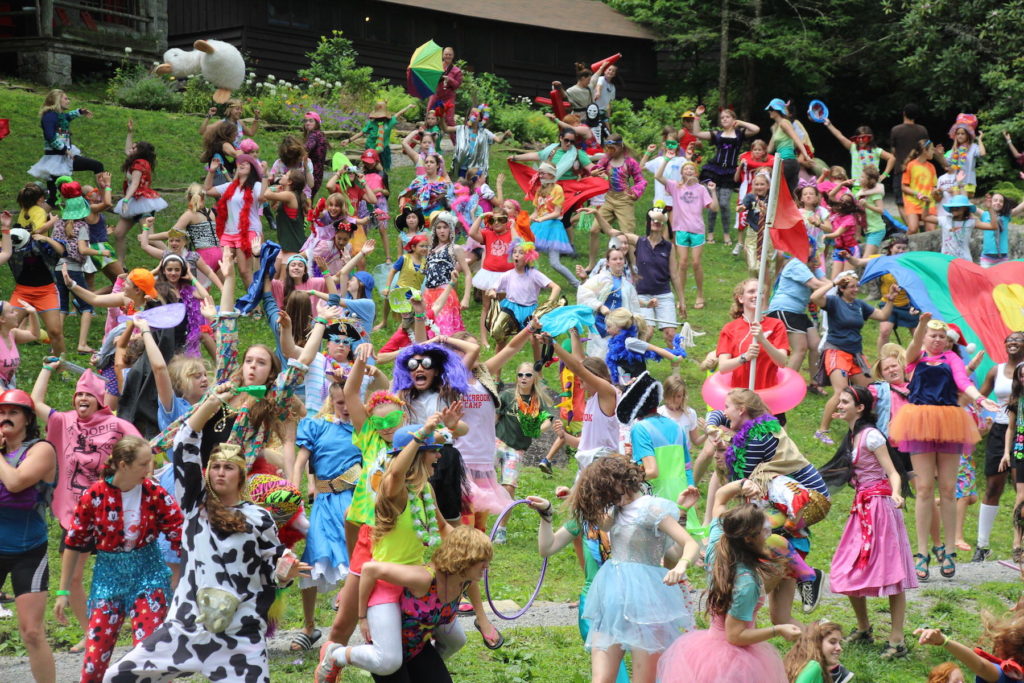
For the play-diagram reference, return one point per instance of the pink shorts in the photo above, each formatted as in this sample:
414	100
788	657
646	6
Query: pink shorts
384	592
211	257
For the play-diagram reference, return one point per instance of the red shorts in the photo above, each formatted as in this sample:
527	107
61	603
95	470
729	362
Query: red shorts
835	359
41	298
384	592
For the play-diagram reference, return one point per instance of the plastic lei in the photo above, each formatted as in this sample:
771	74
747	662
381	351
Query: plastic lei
736	454
1018	440
424	513
529	415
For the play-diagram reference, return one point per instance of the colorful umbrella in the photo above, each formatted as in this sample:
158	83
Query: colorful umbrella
424	70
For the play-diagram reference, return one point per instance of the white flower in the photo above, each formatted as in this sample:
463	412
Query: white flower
252	74
271	77
337	84
127	50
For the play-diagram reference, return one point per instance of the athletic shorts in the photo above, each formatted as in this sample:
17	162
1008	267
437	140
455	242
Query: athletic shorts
797	323
690	239
836	359
43	298
508	465
29	571
875	237
839	258
994	448
902	317
663	314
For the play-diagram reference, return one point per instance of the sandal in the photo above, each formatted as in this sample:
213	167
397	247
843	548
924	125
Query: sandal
1018	555
940	553
948	569
824	438
497	643
305	641
921	566
858	636
817	390
699	305
891	651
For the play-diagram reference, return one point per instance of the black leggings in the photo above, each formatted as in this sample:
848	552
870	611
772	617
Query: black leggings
77	164
791	173
426	666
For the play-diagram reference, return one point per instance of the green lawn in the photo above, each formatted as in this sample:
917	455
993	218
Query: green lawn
530	655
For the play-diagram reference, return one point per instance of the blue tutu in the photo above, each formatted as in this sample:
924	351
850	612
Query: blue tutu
550	235
520	312
628	603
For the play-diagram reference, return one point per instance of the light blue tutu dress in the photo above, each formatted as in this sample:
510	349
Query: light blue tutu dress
550	235
628	604
331	454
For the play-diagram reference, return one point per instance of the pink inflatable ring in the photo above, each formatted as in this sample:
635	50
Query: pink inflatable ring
784	395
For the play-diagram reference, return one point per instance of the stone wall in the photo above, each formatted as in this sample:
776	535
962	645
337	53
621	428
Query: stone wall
45	66
932	241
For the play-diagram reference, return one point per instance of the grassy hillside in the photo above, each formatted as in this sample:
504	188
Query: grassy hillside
530	655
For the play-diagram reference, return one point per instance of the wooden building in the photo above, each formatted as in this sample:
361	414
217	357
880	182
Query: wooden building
528	42
53	38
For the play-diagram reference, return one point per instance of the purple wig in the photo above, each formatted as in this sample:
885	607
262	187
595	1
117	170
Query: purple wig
452	374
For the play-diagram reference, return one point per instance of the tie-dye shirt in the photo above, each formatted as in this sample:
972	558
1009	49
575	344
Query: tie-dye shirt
625	178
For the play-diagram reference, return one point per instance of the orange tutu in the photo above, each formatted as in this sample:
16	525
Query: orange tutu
935	424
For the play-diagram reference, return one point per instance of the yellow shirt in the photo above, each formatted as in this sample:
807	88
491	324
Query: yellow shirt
32	219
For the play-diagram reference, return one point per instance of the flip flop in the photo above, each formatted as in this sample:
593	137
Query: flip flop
487	643
77	649
305	641
699	304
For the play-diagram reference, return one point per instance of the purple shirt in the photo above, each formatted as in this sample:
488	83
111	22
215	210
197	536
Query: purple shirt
523	288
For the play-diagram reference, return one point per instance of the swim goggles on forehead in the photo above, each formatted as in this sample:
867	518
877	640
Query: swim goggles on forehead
389	421
426	363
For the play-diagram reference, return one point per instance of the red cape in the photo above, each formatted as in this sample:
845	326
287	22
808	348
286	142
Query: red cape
576	191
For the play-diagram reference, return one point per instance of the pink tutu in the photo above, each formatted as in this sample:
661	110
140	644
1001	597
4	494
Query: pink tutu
449	319
485	493
708	657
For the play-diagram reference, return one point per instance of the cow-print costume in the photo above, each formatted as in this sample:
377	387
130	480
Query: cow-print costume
130	578
241	563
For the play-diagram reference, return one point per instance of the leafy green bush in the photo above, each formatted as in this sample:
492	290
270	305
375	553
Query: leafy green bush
197	95
334	61
132	85
642	127
526	124
478	87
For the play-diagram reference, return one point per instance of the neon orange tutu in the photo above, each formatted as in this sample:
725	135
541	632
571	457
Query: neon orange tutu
934	424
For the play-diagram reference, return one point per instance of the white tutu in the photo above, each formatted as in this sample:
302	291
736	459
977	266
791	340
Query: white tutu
486	279
324	577
139	206
53	165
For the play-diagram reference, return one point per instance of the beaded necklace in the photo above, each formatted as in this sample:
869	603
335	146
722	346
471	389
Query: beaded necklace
424	515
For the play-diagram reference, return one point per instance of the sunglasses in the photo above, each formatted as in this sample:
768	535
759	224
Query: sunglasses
425	363
1010	668
390	421
524	374
502	219
571	141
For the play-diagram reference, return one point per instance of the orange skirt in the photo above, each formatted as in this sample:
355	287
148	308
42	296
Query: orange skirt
916	425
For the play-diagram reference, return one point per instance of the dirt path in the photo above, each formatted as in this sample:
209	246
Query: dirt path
542	614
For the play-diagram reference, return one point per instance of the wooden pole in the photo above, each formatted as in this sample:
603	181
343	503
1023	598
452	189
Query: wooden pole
766	238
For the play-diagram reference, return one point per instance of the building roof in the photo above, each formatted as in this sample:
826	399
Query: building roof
582	16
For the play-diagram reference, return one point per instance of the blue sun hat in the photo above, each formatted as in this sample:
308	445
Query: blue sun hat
817	111
404	435
779	105
959	202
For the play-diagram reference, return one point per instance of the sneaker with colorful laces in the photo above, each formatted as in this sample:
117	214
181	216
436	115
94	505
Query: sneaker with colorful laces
328	670
824	438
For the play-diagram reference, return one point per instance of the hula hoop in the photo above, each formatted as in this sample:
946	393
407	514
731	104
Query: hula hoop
487	583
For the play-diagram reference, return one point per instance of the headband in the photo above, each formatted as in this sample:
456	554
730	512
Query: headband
172	257
297	257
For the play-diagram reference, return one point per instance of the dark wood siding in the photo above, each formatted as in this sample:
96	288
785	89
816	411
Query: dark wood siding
277	34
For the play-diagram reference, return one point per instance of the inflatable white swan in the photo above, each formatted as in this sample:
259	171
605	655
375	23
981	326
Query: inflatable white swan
219	62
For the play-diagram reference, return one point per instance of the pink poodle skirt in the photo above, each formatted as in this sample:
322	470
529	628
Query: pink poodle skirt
708	657
890	566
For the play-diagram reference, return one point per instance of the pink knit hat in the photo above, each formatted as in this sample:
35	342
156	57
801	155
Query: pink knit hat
90	383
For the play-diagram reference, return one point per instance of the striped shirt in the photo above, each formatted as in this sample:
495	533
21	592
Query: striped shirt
760	450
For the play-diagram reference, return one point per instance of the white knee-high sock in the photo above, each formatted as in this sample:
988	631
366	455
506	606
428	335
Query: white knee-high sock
986	520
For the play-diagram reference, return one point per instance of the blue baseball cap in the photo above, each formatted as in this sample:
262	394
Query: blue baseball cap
779	105
403	435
